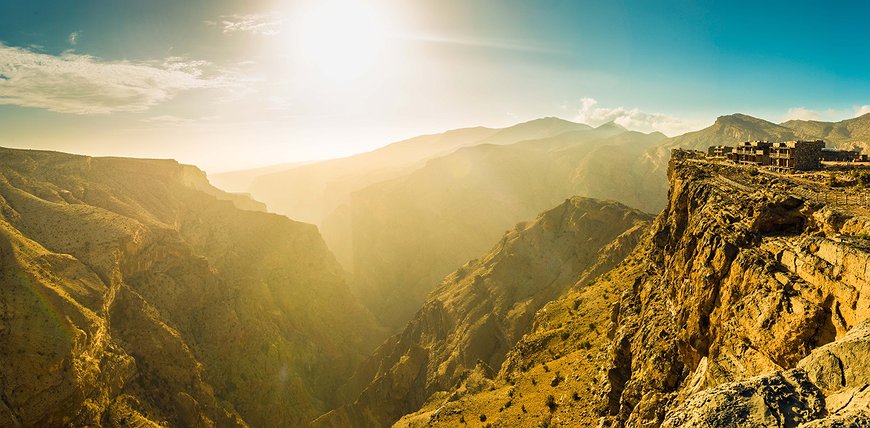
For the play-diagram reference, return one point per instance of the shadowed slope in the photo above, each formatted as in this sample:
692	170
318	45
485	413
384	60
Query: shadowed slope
132	292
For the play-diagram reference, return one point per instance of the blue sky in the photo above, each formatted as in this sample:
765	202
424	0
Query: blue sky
232	84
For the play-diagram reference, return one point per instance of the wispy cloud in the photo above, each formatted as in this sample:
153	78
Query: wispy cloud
83	84
485	43
591	113
171	120
74	37
265	24
168	120
802	113
827	115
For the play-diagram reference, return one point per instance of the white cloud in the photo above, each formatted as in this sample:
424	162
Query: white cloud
82	84
260	24
168	120
74	37
802	113
635	119
828	115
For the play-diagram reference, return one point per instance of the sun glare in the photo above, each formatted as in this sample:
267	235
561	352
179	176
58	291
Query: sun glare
339	40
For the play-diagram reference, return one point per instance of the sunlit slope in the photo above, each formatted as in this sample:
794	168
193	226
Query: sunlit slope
409	232
133	293
482	309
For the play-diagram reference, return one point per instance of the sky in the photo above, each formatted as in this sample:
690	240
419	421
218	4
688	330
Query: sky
230	84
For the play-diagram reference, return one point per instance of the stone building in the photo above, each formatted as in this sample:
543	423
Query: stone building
719	151
837	155
796	155
753	153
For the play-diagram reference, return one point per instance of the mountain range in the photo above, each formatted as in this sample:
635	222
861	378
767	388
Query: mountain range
400	218
479	282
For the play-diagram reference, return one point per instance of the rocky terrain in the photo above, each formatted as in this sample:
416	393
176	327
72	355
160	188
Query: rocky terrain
135	294
480	311
744	304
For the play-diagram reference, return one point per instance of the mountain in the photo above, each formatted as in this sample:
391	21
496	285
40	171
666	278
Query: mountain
481	310
730	130
409	232
240	181
313	191
744	304
846	134
136	294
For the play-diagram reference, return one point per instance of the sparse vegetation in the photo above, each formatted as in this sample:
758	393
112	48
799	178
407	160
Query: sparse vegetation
556	379
551	403
862	178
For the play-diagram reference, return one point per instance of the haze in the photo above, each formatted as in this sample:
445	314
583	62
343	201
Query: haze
228	85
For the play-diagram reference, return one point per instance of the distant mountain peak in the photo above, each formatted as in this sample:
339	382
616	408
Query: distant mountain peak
738	118
550	121
612	125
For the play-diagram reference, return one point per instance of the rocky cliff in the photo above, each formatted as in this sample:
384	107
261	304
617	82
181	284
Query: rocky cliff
135	294
743	305
481	310
743	278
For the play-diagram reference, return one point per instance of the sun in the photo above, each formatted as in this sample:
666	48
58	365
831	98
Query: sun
339	40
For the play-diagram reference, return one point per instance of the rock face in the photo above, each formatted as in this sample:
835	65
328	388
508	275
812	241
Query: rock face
744	305
480	311
134	293
738	283
781	399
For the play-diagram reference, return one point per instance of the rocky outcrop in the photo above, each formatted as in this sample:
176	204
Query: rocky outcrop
738	284
781	399
480	311
136	294
829	388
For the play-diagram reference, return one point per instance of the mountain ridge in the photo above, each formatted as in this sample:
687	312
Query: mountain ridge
482	309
